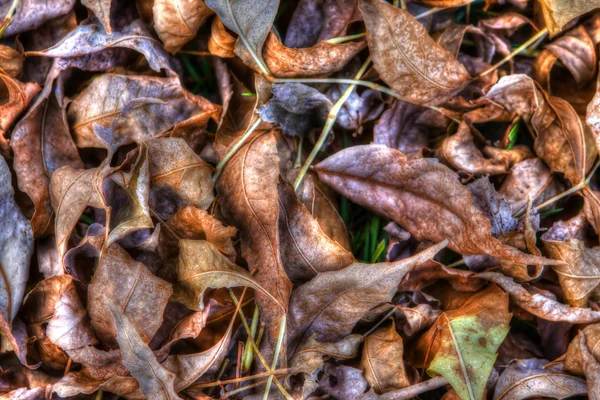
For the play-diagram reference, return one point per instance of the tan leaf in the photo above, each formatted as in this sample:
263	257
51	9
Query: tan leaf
102	102
177	21
308	358
196	224
11	61
16	96
319	60
255	169
384	180
423	74
155	381
574	361
558	13
140	295
101	9
221	43
305	250
174	167
330	304
382	360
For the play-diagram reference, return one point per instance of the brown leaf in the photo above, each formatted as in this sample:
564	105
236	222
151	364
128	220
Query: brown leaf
331	303
32	14
42	143
425	74
560	139
384	180
382	360
201	266
591	368
574	361
255	169
155	381
196	224
130	286
102	102
78	382
16	96
177	21
221	43
580	276
524	379
308	358
558	13
11	61
305	250
319	60
540	305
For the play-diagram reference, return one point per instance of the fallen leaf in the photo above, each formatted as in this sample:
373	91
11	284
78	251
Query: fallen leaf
106	97
297	108
383	179
155	381
382	360
591	368
540	305
494	206
523	379
462	344
557	14
131	286
31	15
321	59
11	61
221	43
305	250
330	304
425	74
16	96
101	9
177	21
308	358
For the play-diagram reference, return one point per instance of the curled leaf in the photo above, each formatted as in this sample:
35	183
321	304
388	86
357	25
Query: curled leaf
177	21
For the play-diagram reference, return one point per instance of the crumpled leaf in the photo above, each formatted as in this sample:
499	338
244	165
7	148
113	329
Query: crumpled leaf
305	250
539	305
18	96
297	108
343	382
136	215
462	344
101	9
559	13
321	59
330	304
561	141
574	361
250	19
382	360
103	100
32	14
384	180
524	379
16	249
194	223
308	358
221	43
460	151
90	47
425	74
591	368
155	381
494	206
140	295
201	266
177	21
255	169
11	61
580	275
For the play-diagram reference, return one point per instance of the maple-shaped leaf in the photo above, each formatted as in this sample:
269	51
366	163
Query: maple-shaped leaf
407	58
461	346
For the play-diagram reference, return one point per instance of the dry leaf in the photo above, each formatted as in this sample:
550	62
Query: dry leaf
15	98
177	21
559	13
425	74
101	9
221	43
32	14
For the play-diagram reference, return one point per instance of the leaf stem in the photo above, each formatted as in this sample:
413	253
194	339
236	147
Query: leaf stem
233	149
540	34
342	39
331	118
275	356
8	18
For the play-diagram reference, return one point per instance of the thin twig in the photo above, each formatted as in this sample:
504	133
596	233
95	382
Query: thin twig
516	51
331	118
243	389
456	263
282	371
342	39
415	390
233	149
280	337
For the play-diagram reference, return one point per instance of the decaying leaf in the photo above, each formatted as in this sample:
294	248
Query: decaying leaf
177	21
385	180
558	13
423	74
101	9
15	98
32	14
461	346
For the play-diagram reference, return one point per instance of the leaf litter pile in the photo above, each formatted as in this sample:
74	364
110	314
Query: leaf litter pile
313	199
